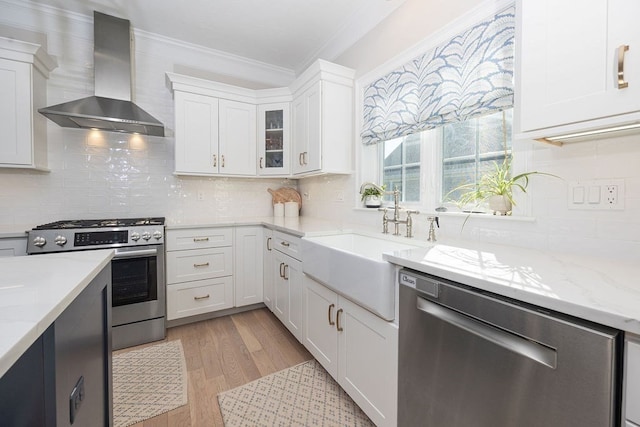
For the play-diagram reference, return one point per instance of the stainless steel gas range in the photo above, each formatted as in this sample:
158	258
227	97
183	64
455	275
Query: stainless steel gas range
137	269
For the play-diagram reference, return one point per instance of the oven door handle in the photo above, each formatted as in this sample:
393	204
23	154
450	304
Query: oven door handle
131	254
510	341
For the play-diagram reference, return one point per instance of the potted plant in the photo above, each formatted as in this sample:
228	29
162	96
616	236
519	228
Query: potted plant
371	194
496	188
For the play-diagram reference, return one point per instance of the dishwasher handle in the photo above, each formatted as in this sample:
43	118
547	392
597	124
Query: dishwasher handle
512	342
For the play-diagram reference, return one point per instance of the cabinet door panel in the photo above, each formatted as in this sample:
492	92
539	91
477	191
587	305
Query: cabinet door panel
274	139
320	334
633	381
300	134
313	156
368	361
568	61
198	238
248	272
196	133
294	276
237	145
15	113
281	288
268	269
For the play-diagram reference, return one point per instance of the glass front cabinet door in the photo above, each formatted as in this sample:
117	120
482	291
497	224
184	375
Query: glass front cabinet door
273	139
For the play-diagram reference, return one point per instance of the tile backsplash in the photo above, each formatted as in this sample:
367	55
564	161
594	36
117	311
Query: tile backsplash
100	174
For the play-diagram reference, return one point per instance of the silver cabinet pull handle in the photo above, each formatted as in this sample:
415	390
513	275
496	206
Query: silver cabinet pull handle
260	162
331	322
215	160
621	50
222	158
304	157
281	267
285	244
269	243
286	270
338	327
201	298
300	159
200	239
206	264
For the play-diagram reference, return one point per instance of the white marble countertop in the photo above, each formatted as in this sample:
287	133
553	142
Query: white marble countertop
35	290
604	291
299	226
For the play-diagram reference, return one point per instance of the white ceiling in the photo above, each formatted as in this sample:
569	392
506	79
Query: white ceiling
286	33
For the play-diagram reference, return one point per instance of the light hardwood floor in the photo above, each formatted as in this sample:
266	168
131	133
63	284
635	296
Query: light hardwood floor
225	353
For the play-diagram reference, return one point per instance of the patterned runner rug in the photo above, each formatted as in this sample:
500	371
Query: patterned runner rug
148	382
304	395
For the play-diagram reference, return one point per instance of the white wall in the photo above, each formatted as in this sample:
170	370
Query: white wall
549	225
100	174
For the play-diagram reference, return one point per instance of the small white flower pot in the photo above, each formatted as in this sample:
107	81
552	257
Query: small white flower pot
500	205
373	201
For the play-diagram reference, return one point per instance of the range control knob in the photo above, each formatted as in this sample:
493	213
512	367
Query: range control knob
146	235
157	234
60	240
39	241
135	236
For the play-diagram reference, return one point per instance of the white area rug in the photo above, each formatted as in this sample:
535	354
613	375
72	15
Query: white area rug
304	395
148	382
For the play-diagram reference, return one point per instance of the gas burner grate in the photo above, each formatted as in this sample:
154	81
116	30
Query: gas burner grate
101	223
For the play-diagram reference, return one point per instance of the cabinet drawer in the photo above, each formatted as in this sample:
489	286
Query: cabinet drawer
632	373
196	238
202	296
198	264
287	244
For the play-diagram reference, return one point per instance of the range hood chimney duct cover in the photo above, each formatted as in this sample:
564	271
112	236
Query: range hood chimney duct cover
110	109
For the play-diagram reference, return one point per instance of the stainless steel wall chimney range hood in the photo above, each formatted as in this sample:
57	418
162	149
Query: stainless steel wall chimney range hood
110	109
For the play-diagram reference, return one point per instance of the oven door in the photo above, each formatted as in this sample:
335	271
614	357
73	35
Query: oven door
138	284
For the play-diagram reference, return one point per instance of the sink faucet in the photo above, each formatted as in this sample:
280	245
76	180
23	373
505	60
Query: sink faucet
432	230
396	216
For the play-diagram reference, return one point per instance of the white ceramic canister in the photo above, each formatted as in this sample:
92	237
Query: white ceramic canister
291	209
278	209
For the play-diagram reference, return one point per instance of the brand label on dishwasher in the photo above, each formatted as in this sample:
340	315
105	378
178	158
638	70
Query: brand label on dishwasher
406	279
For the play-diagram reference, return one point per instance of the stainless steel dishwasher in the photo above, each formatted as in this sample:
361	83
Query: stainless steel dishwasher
473	359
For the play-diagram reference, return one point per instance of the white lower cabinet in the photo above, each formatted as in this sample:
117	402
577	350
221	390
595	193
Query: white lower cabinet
199	267
199	297
288	292
13	246
632	381
268	269
248	271
358	349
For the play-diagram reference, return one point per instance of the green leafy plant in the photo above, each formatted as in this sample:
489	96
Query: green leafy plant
497	182
372	191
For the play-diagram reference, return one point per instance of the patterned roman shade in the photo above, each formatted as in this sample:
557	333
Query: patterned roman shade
470	75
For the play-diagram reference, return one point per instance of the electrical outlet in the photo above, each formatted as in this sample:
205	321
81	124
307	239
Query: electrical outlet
306	195
340	196
200	195
611	193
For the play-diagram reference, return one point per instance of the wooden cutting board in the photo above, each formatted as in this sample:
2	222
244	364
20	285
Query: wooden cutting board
285	194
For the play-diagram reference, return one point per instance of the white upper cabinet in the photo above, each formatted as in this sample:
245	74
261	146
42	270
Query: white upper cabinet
237	142
578	66
322	117
215	128
274	139
196	132
24	68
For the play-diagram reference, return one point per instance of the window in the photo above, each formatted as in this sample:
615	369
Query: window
471	147
466	149
401	167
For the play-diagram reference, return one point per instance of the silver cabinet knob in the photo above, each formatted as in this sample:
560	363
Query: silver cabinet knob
39	241
146	235
157	234
60	240
135	236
